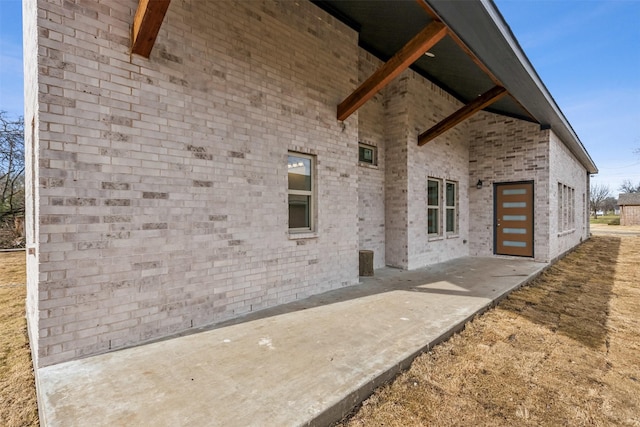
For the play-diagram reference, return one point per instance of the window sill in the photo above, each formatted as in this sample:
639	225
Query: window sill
368	165
453	236
296	235
434	238
564	233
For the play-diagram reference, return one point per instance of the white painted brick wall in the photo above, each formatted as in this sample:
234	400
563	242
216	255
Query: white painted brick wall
444	158
160	192
371	185
163	182
504	149
31	143
392	197
396	140
414	104
565	169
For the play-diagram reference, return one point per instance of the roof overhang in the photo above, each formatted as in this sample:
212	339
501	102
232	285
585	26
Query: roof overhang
479	53
484	31
477	60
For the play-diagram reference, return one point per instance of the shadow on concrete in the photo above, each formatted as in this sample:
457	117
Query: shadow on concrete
488	278
572	297
305	363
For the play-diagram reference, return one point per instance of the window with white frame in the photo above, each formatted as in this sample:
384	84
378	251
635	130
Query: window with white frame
560	206
367	154
451	207
301	192
434	200
566	208
572	210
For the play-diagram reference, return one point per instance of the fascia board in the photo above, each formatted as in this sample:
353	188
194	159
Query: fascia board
484	31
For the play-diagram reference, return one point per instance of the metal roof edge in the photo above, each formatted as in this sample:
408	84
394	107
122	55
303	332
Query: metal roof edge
480	21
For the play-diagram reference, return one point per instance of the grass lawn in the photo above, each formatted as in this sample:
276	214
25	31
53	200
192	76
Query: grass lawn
605	219
18	405
564	350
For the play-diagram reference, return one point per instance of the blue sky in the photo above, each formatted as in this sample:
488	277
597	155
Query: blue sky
11	84
587	53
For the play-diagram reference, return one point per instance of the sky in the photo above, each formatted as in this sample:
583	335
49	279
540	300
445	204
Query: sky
587	53
11	83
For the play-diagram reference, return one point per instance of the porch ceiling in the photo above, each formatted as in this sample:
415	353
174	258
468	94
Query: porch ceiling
385	26
479	53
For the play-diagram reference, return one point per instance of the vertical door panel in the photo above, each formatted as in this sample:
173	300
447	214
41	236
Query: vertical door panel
513	219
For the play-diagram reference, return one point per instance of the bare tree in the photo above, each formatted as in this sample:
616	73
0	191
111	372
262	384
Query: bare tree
598	193
628	187
609	204
11	167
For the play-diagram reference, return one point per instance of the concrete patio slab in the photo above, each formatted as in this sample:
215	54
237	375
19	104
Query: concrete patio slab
305	363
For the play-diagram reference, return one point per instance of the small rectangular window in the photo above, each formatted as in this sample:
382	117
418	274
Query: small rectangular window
566	208
433	207
451	202
572	217
301	199
560	214
367	154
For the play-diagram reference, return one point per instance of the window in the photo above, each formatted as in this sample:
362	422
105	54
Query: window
437	196
367	154
566	208
560	203
572	209
433	207
300	171
451	202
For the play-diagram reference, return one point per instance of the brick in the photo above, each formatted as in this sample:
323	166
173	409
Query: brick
168	175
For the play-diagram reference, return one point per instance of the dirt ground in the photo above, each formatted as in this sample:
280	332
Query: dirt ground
18	406
615	230
563	351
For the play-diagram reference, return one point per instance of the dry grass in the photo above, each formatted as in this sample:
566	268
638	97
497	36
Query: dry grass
18	406
563	351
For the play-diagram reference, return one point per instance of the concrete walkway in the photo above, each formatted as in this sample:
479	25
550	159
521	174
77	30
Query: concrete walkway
305	363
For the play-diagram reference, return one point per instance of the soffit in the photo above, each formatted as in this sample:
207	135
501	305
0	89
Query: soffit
384	26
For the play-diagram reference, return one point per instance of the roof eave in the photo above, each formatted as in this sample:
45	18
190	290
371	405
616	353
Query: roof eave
484	31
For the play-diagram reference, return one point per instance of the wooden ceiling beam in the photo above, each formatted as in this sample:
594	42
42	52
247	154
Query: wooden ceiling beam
484	100
434	16
146	25
417	46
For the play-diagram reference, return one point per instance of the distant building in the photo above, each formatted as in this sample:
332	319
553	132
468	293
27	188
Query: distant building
629	208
